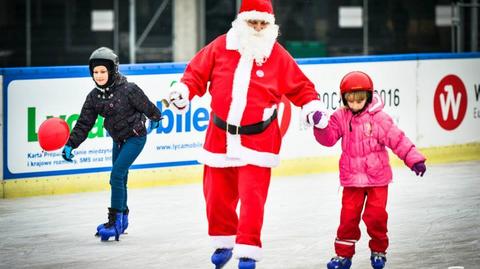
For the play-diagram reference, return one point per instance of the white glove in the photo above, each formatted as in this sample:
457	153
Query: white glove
178	98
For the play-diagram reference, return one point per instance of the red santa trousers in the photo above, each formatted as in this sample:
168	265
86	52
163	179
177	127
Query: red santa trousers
374	215
223	188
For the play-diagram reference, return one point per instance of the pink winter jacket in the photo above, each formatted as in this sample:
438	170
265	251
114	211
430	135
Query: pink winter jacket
364	161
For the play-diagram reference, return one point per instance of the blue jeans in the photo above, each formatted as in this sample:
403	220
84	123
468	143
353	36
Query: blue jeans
123	155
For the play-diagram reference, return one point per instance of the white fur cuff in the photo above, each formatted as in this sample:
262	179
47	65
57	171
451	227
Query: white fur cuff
222	241
247	251
257	15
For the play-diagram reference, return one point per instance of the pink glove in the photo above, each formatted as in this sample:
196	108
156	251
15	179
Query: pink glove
419	168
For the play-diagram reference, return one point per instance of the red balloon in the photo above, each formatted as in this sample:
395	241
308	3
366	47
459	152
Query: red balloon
53	134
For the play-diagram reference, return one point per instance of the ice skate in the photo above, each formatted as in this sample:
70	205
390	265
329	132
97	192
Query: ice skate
221	256
113	227
125	220
339	263
246	263
99	227
124	223
378	260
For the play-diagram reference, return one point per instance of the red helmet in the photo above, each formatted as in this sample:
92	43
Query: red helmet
356	81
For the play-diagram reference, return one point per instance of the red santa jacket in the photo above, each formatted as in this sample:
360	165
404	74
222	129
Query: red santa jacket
245	93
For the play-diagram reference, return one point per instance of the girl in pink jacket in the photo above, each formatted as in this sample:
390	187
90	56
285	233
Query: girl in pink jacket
365	171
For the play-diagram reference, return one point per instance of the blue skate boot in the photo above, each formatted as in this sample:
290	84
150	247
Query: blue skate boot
246	263
125	220
124	223
378	260
221	256
339	263
99	227
113	227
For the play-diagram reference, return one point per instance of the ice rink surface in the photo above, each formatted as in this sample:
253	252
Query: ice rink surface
434	222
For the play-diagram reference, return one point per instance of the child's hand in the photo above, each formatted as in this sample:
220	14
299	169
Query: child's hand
67	154
419	168
153	125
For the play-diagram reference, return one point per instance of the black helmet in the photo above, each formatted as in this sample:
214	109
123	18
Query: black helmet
106	57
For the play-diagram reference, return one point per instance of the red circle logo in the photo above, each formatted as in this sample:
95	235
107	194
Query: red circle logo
286	115
450	102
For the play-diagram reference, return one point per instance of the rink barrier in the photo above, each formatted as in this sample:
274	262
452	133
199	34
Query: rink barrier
21	182
193	174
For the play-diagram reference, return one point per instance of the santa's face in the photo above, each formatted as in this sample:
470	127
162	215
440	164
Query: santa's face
256	38
257	25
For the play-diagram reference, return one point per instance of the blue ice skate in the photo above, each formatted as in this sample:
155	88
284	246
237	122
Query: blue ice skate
113	227
246	263
125	220
339	263
221	256
124	223
99	227
378	260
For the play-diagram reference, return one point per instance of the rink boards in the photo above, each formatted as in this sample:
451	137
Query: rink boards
434	98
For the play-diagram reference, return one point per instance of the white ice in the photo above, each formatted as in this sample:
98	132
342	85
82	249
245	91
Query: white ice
434	222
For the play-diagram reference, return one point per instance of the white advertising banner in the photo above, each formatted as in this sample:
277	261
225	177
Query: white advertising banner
448	102
34	100
393	81
1	127
434	101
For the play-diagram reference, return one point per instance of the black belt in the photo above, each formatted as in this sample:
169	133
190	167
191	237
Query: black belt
247	129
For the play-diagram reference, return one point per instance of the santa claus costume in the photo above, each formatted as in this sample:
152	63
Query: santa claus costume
248	72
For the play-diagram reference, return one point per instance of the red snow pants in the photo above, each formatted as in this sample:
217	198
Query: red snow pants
223	188
374	215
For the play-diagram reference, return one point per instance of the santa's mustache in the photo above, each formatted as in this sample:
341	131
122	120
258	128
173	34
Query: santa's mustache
257	44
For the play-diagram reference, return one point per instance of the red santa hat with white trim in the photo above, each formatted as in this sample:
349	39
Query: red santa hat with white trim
261	10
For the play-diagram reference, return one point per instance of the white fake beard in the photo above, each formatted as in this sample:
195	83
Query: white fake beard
258	45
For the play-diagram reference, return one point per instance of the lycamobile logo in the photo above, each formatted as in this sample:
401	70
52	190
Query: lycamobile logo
97	130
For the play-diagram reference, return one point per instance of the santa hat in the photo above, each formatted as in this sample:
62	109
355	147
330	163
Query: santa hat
261	10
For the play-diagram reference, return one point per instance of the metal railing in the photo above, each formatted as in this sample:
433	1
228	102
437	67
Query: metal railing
458	25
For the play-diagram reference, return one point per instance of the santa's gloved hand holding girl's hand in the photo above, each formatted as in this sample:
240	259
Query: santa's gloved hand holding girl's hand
419	168
315	118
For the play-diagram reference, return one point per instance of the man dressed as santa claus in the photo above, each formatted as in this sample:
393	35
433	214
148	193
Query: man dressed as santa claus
248	72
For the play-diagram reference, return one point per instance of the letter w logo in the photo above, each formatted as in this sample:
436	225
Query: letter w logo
448	100
450	95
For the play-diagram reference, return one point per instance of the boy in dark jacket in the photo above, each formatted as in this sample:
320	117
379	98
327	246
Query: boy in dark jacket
124	107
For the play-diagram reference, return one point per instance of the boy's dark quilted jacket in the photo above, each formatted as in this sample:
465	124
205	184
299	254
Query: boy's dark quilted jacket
124	107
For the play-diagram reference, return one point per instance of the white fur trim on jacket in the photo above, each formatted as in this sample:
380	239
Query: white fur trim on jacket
181	89
237	154
241	81
257	15
248	156
312	106
248	251
222	241
232	40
